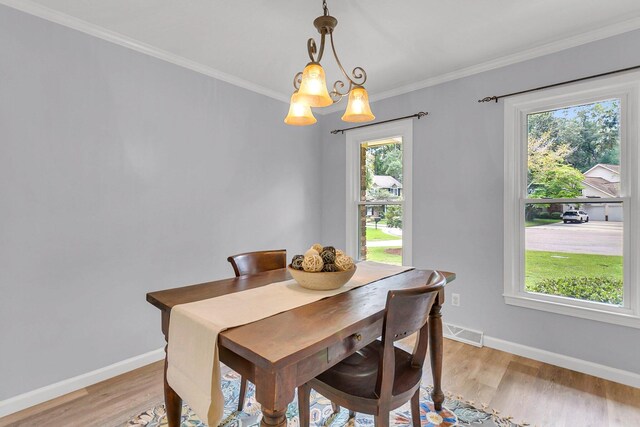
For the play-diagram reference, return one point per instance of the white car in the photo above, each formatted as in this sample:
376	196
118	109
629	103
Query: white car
575	216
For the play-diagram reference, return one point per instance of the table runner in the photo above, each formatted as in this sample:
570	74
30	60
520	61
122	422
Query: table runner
193	364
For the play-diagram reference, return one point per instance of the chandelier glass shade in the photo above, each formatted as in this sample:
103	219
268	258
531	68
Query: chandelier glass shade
358	109
313	89
310	86
299	113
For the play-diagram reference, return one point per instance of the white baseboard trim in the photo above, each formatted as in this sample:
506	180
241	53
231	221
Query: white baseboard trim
608	373
43	394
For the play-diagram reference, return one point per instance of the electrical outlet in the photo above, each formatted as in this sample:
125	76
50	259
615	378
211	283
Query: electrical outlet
455	300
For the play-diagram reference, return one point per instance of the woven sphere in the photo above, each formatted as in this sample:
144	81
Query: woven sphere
312	263
311	252
296	262
328	256
344	262
329	248
339	252
330	268
317	247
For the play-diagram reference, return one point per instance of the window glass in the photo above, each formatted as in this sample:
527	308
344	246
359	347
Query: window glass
575	249
381	170
381	177
577	256
575	151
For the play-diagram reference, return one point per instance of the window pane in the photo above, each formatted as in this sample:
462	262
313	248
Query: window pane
381	170
575	151
381	233
575	251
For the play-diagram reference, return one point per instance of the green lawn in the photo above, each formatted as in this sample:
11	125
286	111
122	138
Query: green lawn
382	255
377	234
550	265
539	221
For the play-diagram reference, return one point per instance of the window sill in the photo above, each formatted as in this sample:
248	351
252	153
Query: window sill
591	313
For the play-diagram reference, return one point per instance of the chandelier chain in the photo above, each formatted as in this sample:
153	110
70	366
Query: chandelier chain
325	7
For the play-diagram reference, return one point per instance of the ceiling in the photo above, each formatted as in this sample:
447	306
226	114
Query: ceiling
402	44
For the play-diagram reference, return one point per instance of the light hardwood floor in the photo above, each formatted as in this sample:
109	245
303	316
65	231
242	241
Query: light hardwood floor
541	394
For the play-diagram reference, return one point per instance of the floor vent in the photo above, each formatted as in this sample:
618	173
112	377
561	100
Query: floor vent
465	335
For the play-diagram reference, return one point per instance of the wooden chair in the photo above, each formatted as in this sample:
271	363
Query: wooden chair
252	263
257	262
381	377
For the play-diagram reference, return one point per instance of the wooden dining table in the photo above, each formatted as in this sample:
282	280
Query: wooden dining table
281	352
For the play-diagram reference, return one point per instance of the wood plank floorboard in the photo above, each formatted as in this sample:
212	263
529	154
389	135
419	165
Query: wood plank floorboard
531	391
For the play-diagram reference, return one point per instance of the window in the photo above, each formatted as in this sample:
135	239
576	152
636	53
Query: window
379	193
571	200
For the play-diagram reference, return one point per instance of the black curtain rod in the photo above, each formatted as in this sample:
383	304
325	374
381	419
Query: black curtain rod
418	115
496	98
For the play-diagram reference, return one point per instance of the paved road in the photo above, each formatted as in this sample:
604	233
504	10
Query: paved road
593	237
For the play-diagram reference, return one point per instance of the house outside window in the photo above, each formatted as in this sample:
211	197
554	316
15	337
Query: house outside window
379	193
571	208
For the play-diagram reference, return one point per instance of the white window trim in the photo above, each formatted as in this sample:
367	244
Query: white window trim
626	87
354	138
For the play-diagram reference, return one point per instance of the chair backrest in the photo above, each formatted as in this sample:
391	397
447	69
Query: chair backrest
407	311
257	262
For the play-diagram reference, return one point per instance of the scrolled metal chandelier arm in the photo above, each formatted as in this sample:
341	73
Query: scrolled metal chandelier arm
357	73
336	95
297	80
312	49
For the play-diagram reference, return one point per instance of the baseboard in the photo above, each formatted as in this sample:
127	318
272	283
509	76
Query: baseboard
601	371
43	394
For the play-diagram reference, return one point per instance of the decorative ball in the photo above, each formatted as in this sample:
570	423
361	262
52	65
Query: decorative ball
339	252
330	268
296	262
328	255
312	263
317	247
311	252
343	262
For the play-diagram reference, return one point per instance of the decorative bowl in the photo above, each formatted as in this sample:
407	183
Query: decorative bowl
321	281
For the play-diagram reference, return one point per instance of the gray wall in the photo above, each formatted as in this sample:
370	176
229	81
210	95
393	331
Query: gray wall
457	199
122	174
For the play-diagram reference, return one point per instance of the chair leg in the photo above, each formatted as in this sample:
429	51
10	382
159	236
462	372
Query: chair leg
415	409
381	420
304	392
335	408
243	391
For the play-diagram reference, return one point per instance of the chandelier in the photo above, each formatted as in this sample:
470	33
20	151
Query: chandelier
311	87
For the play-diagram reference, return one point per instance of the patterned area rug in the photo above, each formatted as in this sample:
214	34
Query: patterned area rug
455	413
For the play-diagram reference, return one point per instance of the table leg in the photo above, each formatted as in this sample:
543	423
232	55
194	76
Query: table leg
274	391
273	418
435	353
172	402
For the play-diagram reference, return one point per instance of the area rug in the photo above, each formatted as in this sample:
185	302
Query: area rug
456	412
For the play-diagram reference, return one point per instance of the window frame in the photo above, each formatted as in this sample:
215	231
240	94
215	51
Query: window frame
404	129
625	87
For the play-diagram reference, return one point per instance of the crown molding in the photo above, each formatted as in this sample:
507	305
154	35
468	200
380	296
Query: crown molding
69	21
536	52
32	8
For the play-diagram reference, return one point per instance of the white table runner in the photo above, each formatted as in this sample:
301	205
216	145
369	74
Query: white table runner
193	363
